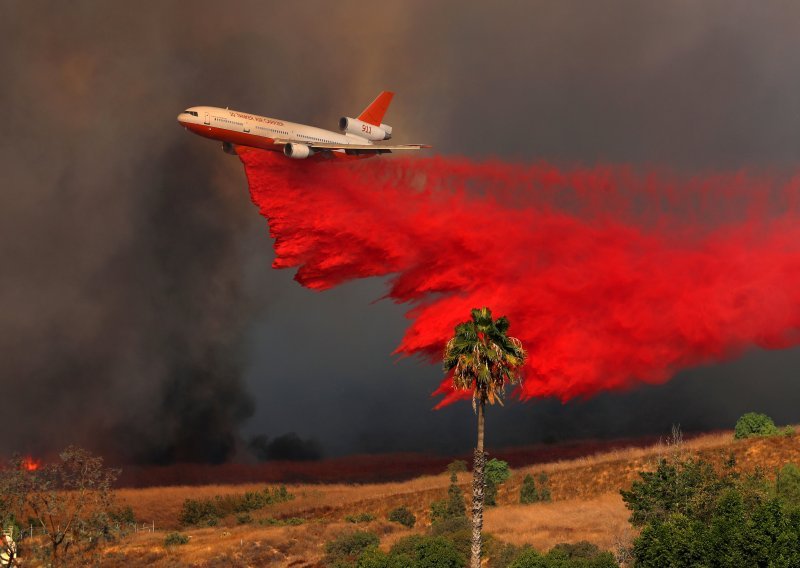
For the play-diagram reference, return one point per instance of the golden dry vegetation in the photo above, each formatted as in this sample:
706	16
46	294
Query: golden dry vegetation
586	506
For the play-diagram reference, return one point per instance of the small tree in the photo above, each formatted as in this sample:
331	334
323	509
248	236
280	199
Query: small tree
457	466
528	493
497	472
754	424
70	500
453	506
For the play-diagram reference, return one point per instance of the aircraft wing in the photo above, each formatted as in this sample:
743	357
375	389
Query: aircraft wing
361	147
377	147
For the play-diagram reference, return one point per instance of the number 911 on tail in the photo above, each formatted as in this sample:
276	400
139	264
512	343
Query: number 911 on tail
360	137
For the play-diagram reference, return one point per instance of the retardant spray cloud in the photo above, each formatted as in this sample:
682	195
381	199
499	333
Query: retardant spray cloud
609	276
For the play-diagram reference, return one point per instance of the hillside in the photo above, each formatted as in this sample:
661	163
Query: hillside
586	506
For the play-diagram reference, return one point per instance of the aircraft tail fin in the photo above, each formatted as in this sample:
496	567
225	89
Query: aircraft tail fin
373	114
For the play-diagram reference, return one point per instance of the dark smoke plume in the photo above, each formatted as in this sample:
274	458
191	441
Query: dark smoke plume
134	310
122	298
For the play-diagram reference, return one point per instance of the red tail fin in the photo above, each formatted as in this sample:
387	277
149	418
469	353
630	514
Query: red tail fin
373	114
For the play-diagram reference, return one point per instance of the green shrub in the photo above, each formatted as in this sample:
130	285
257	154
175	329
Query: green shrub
373	557
691	488
528	493
544	487
754	424
528	558
175	539
566	555
427	552
209	511
244	519
692	515
197	512
787	485
581	554
457	530
403	516
360	518
456	466
287	522
497	472
348	547
502	554
122	516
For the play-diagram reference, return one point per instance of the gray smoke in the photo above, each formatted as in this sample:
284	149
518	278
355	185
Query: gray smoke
138	312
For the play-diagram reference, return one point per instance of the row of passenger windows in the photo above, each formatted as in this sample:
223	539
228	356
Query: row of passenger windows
272	130
228	121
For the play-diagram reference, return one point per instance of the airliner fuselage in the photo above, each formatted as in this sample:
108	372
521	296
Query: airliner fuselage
299	141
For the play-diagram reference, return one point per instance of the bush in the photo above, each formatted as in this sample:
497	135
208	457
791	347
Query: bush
457	530
456	466
544	487
787	485
347	547
287	522
122	516
691	515
197	512
497	472
373	557
427	552
566	555
754	424
175	539
209	511
360	518
581	554
244	519
502	554
528	493
403	516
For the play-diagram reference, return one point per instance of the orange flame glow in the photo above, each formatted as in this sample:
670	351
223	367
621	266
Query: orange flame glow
30	464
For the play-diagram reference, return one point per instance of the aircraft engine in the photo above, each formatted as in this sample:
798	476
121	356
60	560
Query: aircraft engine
364	129
297	151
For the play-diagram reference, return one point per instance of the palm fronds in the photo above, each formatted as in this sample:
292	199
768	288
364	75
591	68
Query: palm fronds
483	358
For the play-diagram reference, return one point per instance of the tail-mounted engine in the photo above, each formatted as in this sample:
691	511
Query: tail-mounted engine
364	129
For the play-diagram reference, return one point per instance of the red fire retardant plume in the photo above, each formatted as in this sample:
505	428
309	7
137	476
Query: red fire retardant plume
609	276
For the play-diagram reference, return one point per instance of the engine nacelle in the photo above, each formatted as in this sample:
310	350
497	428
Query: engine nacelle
364	129
297	151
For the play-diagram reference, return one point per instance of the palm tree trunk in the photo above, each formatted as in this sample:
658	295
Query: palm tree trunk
478	463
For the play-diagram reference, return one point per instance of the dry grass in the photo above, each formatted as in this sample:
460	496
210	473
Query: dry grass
602	520
586	506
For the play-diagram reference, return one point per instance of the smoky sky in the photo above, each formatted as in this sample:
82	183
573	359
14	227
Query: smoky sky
139	314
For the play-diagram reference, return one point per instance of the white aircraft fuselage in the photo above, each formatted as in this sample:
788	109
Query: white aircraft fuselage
357	138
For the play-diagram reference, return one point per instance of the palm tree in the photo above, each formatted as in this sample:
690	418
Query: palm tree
482	358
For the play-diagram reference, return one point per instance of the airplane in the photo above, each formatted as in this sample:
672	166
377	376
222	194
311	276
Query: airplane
359	137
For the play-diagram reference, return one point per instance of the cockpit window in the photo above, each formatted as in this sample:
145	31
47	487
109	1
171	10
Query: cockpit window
192	112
